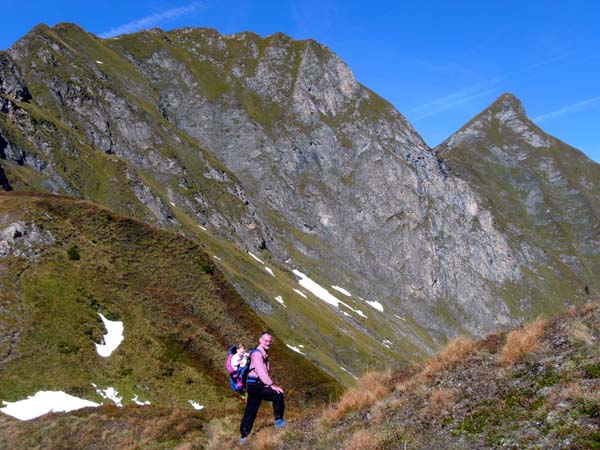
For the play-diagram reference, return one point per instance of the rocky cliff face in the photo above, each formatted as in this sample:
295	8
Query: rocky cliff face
274	145
544	192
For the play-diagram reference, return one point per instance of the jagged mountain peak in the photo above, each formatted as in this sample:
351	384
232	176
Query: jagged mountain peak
504	122
508	103
523	172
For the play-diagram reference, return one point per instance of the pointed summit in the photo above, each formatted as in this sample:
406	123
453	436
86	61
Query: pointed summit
506	109
508	101
504	121
535	184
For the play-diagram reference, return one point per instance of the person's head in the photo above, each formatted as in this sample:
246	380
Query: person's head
265	340
241	349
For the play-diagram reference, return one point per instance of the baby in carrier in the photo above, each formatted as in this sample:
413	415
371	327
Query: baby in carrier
238	361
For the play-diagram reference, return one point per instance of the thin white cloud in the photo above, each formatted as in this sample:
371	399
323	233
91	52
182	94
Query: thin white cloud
483	89
552	60
153	19
457	98
574	107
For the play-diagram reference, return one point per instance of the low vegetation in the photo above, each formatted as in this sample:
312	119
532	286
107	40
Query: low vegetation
543	393
371	387
469	395
74	260
522	341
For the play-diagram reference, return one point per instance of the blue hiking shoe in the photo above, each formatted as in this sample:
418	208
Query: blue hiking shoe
280	423
244	440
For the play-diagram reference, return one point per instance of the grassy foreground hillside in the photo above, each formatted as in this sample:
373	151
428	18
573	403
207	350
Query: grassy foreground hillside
63	261
534	387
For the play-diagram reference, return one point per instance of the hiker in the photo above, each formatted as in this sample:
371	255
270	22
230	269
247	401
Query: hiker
240	359
260	386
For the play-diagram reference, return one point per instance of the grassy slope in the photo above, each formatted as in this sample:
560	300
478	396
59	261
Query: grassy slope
535	387
180	314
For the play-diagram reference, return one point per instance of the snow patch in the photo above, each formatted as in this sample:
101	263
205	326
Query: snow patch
110	393
195	405
279	298
44	402
296	349
137	401
357	311
398	317
217	258
99	62
316	289
112	339
268	269
201	227
323	293
375	305
299	292
387	343
342	290
350	373
256	257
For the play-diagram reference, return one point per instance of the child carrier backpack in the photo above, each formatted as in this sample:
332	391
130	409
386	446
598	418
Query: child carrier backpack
237	377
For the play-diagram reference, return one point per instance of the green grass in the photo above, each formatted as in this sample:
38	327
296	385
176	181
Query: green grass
179	317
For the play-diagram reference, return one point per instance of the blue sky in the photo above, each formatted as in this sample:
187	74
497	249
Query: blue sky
439	62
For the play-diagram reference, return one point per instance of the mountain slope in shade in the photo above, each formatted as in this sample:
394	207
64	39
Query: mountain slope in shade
64	262
541	190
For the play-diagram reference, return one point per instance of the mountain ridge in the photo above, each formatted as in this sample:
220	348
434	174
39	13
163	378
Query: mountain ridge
272	144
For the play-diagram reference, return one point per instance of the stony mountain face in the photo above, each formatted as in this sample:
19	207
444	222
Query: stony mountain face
542	191
272	144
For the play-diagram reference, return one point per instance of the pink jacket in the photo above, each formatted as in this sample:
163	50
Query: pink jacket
261	368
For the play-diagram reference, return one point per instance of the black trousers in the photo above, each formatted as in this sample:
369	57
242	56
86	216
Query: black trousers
257	392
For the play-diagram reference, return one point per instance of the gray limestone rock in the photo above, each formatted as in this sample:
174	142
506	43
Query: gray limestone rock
275	145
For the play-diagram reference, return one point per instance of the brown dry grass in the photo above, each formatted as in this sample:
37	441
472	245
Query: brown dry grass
126	428
574	392
440	402
266	439
371	387
454	353
587	308
377	411
579	332
522	341
222	429
365	440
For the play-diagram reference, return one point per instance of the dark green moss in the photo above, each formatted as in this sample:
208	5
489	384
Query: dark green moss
73	253
591	370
